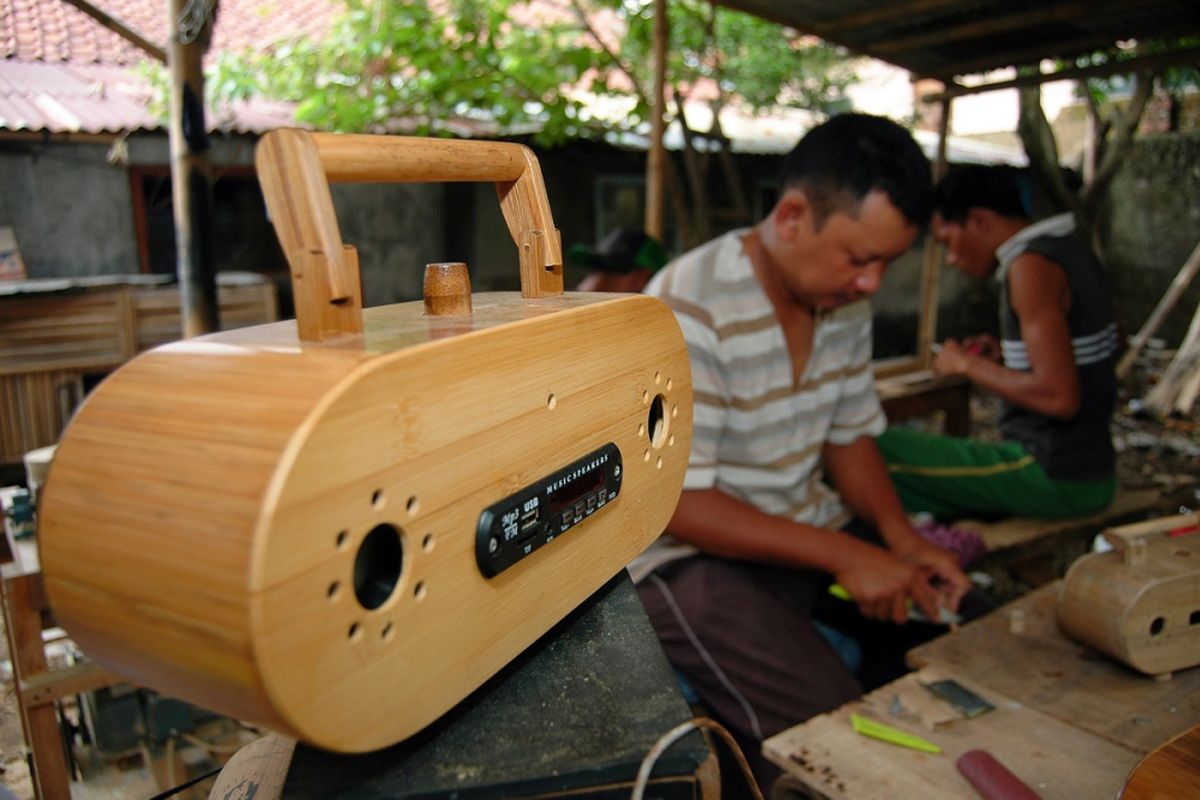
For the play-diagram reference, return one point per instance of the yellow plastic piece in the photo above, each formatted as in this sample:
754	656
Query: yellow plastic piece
886	733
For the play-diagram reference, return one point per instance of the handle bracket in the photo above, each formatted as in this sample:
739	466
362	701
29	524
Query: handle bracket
295	169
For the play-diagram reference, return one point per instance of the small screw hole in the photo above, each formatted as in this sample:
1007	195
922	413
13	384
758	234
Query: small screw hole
341	539
427	543
334	590
419	590
377	499
1156	626
412	506
551	401
355	632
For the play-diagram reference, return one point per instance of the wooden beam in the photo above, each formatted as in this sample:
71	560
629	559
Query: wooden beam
656	158
120	28
887	13
1188	55
979	28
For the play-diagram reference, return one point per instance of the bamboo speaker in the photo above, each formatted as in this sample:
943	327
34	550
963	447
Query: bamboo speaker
1140	601
339	527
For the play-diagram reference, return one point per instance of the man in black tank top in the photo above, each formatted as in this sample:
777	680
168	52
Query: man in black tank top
1053	365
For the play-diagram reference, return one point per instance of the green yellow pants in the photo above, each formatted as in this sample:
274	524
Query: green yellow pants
950	477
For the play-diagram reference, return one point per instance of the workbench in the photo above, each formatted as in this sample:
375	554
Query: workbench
1068	721
919	393
575	714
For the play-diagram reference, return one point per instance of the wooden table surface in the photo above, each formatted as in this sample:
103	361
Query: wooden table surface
1069	722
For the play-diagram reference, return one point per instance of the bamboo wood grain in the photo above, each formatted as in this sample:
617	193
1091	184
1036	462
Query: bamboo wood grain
1140	602
228	482
295	168
230	485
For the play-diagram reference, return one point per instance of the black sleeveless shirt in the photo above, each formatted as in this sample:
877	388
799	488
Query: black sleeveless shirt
1079	448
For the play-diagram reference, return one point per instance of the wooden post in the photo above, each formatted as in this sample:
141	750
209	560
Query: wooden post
191	188
932	263
657	156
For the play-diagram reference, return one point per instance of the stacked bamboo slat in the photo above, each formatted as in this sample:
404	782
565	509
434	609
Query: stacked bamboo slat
50	341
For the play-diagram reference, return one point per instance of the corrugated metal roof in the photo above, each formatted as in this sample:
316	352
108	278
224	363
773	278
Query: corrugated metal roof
59	98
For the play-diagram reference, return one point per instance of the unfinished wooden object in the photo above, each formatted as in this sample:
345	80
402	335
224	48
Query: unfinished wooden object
339	527
1139	602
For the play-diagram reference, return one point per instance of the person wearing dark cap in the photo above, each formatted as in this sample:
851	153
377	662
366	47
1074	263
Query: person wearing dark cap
1053	365
623	261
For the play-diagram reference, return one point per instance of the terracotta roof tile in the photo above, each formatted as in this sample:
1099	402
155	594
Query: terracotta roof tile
54	31
62	71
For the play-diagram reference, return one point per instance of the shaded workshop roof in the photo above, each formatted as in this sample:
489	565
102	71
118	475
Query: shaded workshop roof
947	38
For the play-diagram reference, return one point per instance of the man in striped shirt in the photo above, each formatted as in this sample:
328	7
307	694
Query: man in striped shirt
779	337
1053	366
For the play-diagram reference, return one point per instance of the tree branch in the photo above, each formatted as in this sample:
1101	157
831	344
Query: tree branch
1040	146
582	17
1125	126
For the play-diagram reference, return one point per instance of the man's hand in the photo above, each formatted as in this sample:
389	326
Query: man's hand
954	357
882	584
945	580
984	345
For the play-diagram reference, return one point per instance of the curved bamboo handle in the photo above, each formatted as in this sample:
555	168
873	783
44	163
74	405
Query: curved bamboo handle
295	168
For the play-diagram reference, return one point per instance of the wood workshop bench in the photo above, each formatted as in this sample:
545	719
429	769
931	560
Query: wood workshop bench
1068	721
1023	552
919	393
575	713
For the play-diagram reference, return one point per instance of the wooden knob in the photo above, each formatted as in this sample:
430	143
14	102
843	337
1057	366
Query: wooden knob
447	289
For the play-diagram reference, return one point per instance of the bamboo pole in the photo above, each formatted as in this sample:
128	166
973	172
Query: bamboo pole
932	262
1168	301
657	157
191	188
1176	387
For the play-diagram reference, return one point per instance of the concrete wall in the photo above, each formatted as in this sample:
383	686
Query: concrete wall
70	209
1152	225
72	213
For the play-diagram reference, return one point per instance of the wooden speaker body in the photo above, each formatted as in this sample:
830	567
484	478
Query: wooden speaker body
304	524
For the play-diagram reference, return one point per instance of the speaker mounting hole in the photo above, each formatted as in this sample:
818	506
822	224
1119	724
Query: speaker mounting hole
377	566
656	421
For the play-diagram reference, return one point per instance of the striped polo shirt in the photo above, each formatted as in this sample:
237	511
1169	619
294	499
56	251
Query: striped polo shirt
757	435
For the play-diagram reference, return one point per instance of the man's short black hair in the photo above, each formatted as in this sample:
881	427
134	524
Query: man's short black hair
841	161
996	187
